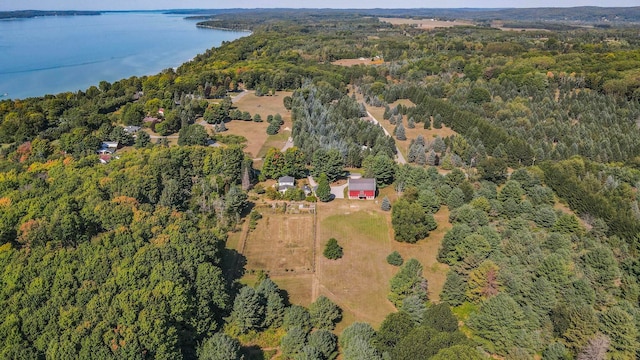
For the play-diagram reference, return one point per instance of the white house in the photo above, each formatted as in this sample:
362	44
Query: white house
285	183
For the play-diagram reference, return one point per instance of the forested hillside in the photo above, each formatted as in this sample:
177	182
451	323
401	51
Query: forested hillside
125	255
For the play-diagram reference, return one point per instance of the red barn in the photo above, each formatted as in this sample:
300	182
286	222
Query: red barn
362	188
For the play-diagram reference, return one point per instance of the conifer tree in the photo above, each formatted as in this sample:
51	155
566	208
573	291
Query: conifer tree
400	132
386	204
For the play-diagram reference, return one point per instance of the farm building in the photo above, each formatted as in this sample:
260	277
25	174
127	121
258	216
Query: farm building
362	188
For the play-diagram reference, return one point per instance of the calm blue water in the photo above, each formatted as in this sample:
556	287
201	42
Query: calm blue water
50	55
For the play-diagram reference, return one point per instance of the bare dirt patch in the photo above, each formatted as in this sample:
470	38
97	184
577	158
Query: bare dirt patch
427	24
281	244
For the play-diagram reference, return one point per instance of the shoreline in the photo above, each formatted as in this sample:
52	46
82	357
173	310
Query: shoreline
204	26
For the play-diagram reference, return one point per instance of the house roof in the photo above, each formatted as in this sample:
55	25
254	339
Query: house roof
362	184
131	129
286	179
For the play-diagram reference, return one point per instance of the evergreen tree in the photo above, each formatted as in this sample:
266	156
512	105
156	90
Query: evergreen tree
622	332
421	157
357	330
332	250
408	281
293	341
440	318
410	221
411	123
325	341
248	310
386	204
143	139
415	307
438	145
275	307
273	128
392	330
400	132
219	347
324	313
297	316
501	321
437	121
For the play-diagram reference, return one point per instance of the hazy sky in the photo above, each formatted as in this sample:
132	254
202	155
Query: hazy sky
367	4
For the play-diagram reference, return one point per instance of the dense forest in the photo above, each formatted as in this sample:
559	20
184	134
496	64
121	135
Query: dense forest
540	179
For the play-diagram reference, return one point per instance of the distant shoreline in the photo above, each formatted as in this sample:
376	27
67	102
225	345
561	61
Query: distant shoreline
205	26
29	14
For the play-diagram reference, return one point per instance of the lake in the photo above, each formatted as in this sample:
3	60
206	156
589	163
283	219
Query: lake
54	54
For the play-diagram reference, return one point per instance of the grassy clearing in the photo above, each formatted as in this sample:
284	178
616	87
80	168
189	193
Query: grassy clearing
277	141
298	288
281	244
359	281
256	133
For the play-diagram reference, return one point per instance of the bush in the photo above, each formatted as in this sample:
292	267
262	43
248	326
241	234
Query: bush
332	250
395	259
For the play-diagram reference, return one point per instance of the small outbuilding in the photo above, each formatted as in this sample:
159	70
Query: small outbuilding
363	188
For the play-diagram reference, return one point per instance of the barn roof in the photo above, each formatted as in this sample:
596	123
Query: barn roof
362	184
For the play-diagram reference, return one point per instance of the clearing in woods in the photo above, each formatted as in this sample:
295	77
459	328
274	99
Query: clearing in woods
427	24
256	133
359	61
281	245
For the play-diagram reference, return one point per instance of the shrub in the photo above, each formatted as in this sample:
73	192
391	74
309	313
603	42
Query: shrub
395	259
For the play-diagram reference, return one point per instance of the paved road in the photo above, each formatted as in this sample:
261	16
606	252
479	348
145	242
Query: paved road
399	157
